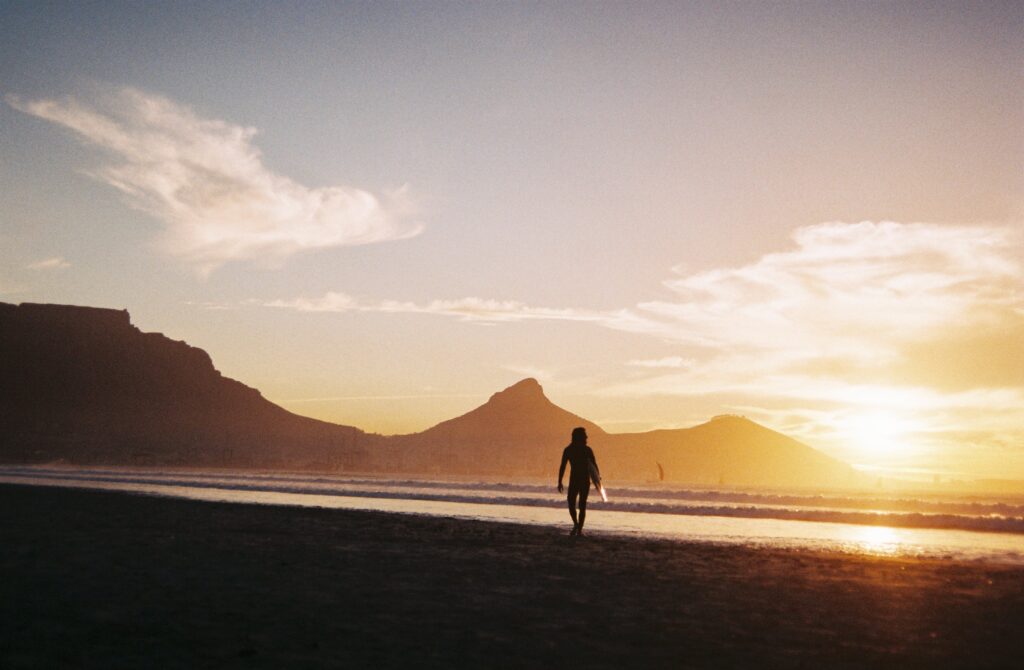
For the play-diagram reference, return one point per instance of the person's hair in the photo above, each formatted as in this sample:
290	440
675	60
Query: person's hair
579	435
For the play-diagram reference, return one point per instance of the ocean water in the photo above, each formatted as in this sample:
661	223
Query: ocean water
961	528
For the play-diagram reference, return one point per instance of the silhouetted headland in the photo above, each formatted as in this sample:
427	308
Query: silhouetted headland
83	385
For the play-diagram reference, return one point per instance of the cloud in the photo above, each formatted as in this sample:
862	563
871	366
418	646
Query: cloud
204	179
848	297
848	300
329	302
666	362
408	396
847	289
465	309
530	371
54	263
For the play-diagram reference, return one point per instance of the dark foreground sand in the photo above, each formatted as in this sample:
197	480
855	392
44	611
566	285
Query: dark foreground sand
114	580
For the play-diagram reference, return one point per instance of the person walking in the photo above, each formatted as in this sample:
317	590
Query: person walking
579	456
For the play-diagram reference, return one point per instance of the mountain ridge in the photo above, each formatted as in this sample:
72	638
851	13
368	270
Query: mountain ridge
86	386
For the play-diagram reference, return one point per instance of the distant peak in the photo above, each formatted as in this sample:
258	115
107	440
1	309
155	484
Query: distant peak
734	421
527	388
729	417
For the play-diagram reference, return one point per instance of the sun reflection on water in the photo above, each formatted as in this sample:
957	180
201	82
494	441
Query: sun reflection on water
877	540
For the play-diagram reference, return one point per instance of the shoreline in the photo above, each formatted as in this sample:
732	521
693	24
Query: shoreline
100	579
909	515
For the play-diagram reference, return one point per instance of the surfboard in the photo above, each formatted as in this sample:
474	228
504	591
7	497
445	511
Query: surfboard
595	476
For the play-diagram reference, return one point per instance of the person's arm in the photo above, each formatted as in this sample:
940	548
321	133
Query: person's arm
561	468
593	458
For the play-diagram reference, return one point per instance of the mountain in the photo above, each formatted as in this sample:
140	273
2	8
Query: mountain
729	450
515	431
83	385
520	431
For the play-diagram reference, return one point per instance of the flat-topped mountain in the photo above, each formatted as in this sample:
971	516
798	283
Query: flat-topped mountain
83	385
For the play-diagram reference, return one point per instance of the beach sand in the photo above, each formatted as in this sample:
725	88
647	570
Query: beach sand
98	579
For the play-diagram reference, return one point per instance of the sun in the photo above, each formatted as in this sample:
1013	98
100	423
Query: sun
877	432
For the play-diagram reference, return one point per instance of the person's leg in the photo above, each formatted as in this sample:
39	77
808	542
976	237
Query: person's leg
573	492
584	492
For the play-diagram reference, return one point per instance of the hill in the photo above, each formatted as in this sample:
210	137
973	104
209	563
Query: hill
515	432
727	450
83	385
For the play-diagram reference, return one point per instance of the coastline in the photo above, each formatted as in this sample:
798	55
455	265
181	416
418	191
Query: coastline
87	580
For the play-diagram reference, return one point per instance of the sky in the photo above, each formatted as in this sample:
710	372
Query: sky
379	214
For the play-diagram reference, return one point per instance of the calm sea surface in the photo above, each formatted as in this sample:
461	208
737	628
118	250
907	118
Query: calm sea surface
958	527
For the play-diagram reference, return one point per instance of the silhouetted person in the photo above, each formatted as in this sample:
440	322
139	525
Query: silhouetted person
580	456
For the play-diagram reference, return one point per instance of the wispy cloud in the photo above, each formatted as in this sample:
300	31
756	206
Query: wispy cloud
54	263
847	294
666	362
847	289
529	371
371	398
205	180
849	301
466	309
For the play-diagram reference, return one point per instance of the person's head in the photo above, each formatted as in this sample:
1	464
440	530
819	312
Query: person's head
579	435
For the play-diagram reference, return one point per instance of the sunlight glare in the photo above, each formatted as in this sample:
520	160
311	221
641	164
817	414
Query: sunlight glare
877	432
878	539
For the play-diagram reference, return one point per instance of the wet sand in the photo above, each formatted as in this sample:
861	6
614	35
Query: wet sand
106	580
